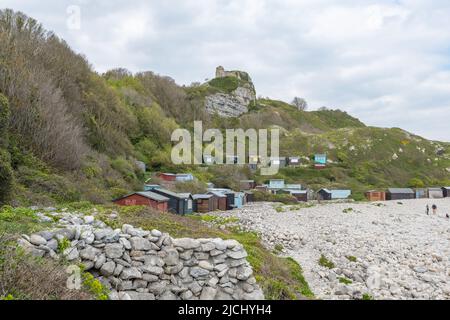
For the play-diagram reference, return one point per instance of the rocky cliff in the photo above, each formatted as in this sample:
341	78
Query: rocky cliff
235	92
136	264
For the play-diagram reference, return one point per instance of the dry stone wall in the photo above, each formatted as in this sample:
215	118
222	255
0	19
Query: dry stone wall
138	264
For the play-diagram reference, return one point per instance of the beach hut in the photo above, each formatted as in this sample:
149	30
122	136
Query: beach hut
145	198
183	177
340	194
278	161
420	193
374	195
208	160
230	200
262	187
203	203
232	159
300	195
226	192
238	199
324	194
293	161
167	176
150	187
293	186
400	194
220	199
320	161
179	203
435	193
446	192
247	184
276	184
249	197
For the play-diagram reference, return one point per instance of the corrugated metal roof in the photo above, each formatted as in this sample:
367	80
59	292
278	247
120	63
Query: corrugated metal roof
293	186
296	191
400	190
340	194
218	194
152	195
174	194
201	196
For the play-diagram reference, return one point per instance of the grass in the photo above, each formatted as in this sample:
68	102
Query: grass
25	277
367	296
347	210
351	258
344	280
324	262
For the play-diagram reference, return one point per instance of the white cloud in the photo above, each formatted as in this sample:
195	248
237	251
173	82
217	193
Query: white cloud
385	61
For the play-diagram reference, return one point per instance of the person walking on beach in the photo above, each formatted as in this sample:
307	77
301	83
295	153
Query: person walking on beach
434	207
427	209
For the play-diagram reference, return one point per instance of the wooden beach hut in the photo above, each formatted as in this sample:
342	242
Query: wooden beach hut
144	198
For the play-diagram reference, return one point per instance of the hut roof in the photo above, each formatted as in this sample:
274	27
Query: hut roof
201	196
146	194
174	194
400	190
217	194
341	193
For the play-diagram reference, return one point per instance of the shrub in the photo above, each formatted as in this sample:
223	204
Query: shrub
270	197
125	168
63	244
95	287
324	262
227	84
367	296
24	277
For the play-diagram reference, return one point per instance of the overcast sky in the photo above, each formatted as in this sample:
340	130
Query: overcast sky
386	62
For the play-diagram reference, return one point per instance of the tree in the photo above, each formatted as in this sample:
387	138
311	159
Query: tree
300	103
6	174
416	183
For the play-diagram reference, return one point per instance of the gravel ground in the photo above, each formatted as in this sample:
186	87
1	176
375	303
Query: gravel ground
383	250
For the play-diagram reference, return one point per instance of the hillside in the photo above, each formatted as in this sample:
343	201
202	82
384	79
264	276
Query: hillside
70	134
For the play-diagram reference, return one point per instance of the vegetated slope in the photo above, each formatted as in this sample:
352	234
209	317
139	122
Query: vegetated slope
70	134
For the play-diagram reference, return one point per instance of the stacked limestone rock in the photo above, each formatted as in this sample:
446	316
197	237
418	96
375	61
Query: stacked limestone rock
147	265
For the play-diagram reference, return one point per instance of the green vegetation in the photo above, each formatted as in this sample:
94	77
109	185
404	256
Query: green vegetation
94	286
266	196
324	262
63	244
351	258
367	296
347	210
344	280
226	84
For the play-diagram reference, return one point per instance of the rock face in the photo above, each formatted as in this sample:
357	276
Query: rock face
235	103
149	265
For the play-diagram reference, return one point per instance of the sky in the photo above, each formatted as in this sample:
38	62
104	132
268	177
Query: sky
386	62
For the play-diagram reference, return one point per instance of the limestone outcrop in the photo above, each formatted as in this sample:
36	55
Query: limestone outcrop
236	102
